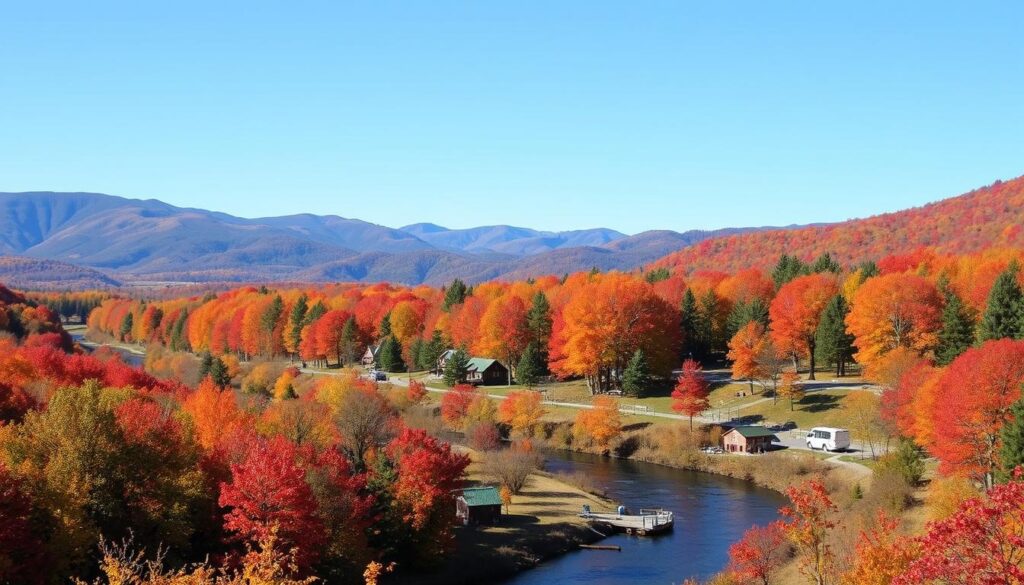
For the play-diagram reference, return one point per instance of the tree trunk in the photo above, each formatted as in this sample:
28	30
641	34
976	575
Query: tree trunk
810	344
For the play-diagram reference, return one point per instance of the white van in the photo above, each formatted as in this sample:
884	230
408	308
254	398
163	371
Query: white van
828	439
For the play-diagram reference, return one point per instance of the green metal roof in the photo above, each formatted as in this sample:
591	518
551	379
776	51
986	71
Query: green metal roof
754	431
480	364
482	496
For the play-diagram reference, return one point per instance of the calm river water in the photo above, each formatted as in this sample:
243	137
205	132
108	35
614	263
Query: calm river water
711	512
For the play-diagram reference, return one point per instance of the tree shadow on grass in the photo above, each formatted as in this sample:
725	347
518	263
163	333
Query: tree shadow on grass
818	402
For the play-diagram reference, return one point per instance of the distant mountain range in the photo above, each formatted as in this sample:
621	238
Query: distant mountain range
107	239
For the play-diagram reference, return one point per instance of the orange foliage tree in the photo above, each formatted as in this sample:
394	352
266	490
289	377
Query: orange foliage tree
892	311
521	411
796	312
600	424
744	349
809	520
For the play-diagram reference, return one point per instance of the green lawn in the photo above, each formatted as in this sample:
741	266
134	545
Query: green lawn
820	408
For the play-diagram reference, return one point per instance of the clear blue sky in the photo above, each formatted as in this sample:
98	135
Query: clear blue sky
556	115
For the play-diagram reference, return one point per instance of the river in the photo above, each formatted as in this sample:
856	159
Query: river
711	512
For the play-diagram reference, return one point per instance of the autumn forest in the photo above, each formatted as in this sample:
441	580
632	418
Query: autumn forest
250	444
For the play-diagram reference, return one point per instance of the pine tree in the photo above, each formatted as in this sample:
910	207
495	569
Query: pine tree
391	355
788	268
868	270
385	326
707	326
126	327
415	351
219	373
531	367
315	312
205	364
688	322
825	263
538	322
456	368
268	320
432	351
349	340
296	320
744	312
1011	438
178	340
957	333
455	294
833	344
636	378
1002	313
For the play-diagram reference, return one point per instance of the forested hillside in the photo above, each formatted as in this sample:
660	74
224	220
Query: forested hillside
989	217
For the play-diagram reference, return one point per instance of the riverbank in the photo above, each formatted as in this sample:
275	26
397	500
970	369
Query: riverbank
542	523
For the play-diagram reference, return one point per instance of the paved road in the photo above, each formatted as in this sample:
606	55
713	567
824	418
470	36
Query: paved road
789	439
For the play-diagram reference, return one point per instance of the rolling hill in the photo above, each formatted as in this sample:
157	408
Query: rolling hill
148	240
991	216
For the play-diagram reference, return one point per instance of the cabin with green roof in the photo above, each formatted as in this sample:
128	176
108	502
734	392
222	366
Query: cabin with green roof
748	439
486	372
478	505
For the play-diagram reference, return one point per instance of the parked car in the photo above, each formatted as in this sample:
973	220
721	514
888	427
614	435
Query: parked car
380	376
828	439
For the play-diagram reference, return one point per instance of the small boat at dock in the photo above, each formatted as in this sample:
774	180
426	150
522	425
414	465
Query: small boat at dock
648	521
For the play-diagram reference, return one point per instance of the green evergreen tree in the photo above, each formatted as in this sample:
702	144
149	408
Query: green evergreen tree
531	366
538	323
456	368
1011	439
825	263
454	294
178	340
432	351
636	378
315	312
205	364
868	270
538	319
689	315
126	327
833	344
415	351
391	355
1002	313
219	373
385	326
707	323
268	320
296	320
349	341
788	268
744	312
657	275
957	333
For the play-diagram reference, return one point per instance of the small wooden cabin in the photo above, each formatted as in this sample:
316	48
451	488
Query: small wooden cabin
486	372
478	505
371	355
748	439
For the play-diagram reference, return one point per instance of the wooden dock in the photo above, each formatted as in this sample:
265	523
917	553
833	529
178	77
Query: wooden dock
646	522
